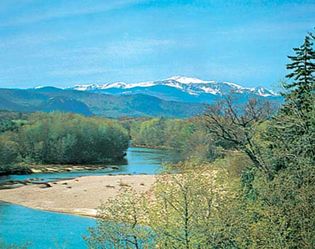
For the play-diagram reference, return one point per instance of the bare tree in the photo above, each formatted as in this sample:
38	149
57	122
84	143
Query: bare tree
237	124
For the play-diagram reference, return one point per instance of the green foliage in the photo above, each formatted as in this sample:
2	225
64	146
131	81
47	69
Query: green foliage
149	133
8	151
291	134
282	213
303	66
9	156
237	125
14	169
11	121
291	138
7	125
58	138
120	224
185	211
264	200
286	207
186	137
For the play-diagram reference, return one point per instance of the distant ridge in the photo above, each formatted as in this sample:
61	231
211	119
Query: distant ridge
176	96
192	86
48	99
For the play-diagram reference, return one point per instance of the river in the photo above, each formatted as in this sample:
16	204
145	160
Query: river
45	230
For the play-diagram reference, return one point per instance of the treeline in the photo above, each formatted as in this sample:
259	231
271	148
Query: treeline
260	195
58	138
188	138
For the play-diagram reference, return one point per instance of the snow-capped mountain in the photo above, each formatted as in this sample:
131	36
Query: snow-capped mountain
179	88
193	86
176	96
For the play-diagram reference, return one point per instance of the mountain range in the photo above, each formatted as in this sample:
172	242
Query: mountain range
178	88
174	97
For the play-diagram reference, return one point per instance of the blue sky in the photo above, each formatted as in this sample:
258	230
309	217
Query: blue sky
66	42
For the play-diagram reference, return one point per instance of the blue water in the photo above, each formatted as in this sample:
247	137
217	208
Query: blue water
45	230
138	161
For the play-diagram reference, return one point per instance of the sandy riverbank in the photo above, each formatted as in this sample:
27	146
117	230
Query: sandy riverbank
78	196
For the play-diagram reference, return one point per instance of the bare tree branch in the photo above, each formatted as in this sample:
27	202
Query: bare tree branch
237	124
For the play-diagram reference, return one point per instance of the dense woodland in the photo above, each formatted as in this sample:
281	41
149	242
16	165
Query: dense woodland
253	189
58	138
188	138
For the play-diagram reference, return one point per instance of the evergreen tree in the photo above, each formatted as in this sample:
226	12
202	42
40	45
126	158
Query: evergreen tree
291	133
303	78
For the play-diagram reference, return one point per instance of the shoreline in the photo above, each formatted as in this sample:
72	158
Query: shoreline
28	169
58	168
91	214
22	168
79	196
152	147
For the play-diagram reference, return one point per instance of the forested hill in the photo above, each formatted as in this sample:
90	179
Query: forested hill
49	99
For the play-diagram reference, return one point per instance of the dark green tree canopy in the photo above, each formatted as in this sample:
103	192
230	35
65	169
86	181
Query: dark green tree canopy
302	73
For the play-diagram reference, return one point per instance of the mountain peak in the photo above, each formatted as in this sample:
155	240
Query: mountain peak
188	80
186	85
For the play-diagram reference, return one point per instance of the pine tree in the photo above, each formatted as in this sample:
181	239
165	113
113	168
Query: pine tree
291	133
303	79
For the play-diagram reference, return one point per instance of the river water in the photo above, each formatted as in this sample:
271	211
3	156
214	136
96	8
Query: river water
45	230
139	161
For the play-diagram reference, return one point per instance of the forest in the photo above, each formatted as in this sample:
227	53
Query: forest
247	181
187	138
59	138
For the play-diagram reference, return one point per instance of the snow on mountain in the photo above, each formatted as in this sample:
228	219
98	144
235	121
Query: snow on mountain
264	92
86	87
187	80
122	85
236	86
210	90
141	84
39	87
192	86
